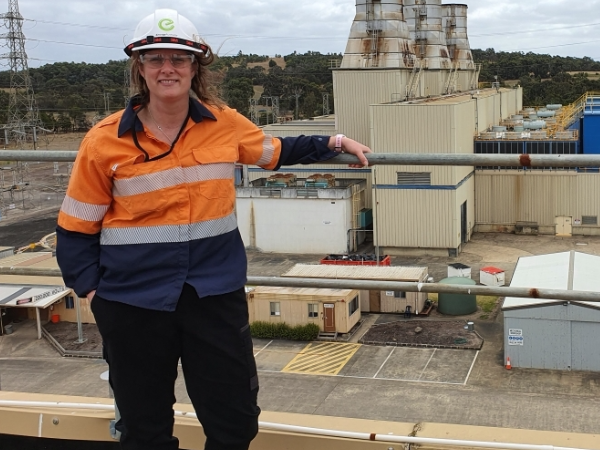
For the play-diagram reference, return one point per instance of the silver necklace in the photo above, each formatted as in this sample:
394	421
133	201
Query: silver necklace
169	138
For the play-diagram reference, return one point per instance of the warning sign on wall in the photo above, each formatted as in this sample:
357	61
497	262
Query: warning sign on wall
515	336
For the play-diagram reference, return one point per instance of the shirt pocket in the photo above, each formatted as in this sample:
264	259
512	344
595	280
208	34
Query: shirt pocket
214	171
142	189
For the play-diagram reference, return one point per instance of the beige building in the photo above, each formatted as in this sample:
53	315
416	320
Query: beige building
372	301
63	308
333	310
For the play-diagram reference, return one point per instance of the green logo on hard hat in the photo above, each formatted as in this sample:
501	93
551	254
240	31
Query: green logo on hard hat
166	24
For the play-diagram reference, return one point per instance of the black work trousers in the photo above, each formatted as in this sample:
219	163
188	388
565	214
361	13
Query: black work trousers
211	336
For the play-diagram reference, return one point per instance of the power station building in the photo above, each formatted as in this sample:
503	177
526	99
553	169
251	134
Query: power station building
408	84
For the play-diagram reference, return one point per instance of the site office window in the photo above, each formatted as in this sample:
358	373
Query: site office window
275	308
399	294
353	306
313	310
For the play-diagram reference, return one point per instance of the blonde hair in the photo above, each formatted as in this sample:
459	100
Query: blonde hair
204	82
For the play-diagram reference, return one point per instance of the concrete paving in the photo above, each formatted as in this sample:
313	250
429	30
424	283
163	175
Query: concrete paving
412	386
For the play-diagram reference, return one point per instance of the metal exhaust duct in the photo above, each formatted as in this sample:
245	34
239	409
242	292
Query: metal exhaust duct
424	19
379	37
455	26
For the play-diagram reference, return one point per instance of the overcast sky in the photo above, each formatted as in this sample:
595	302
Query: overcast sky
95	31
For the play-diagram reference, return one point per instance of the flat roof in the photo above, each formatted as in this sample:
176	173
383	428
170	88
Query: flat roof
333	271
565	270
324	292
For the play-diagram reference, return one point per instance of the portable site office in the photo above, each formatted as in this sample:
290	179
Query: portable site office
373	301
333	310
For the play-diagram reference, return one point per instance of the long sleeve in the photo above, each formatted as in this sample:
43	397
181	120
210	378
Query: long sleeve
88	197
304	150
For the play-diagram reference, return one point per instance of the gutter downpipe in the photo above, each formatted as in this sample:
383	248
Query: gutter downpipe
311	431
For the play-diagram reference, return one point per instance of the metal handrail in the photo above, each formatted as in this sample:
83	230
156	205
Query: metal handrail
409	159
377	285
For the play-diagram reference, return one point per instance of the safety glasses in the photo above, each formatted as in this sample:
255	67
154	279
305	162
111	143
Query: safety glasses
156	61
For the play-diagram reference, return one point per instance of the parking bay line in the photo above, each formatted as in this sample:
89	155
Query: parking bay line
428	361
383	363
269	343
471	368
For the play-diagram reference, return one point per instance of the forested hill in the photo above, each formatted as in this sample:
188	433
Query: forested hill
545	79
70	95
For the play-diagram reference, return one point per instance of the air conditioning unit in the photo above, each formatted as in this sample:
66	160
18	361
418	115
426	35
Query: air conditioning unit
527	228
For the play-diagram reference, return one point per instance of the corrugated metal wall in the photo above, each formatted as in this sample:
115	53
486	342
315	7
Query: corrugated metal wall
491	109
356	89
416	218
510	196
427	217
554	337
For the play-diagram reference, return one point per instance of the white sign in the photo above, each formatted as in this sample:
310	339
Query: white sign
389	293
577	222
515	340
515	332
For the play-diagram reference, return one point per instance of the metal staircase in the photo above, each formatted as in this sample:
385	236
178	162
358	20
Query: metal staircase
414	80
451	84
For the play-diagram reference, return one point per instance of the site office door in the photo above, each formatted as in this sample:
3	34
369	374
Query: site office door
329	317
564	225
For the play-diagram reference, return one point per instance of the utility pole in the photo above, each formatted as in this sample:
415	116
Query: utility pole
275	109
23	113
106	103
297	93
126	85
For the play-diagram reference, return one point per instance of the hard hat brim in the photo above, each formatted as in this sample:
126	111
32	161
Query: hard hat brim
172	43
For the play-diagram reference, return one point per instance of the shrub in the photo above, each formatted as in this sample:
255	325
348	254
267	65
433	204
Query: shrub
281	330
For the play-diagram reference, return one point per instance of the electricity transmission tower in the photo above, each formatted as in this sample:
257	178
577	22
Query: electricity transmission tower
23	122
326	104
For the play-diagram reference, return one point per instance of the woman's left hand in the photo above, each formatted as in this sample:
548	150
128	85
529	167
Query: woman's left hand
355	148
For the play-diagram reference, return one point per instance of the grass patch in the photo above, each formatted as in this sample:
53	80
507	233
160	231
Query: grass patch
487	303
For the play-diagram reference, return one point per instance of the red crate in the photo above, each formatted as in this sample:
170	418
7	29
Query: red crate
386	261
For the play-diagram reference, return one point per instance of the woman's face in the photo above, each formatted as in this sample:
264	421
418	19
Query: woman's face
168	73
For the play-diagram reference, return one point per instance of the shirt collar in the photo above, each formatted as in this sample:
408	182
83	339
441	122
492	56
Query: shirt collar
129	119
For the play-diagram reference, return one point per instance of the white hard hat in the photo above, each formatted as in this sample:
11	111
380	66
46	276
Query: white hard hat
166	28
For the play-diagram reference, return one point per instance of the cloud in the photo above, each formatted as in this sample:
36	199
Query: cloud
96	31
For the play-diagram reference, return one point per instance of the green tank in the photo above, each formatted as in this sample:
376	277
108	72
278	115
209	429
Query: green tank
457	304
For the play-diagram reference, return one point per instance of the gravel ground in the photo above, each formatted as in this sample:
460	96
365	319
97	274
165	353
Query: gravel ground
428	333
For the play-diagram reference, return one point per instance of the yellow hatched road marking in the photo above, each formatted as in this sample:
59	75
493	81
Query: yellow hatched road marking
323	358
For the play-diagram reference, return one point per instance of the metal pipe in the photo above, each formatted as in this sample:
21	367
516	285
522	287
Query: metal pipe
501	291
385	159
310	430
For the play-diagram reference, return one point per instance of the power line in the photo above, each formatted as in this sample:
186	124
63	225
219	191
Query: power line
537	30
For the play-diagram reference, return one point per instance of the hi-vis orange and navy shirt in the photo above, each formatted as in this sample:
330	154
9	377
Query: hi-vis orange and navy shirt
139	221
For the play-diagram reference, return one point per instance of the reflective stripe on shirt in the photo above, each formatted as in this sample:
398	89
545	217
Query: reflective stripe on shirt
83	211
268	151
168	233
167	178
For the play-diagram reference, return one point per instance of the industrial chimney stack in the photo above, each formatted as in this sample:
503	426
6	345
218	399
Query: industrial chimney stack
455	26
379	37
424	18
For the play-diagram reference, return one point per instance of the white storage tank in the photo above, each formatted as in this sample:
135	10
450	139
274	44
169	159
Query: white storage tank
492	276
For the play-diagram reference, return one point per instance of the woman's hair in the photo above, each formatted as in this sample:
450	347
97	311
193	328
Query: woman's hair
204	83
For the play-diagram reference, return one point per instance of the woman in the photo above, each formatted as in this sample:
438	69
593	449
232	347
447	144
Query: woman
148	232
